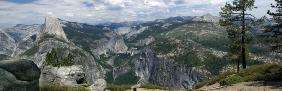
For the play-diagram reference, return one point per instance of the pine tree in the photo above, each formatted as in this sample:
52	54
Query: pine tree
234	20
276	27
233	33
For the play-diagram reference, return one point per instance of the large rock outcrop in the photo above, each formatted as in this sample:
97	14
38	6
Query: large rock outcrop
19	75
166	73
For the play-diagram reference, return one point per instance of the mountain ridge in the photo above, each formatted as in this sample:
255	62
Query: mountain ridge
176	52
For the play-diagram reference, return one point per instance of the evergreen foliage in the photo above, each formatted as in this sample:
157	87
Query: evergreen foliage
234	20
53	58
276	27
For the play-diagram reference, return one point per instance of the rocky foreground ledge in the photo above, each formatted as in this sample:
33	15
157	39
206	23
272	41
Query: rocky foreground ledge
19	75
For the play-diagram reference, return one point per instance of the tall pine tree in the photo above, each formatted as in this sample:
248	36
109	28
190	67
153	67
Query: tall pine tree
227	15
234	20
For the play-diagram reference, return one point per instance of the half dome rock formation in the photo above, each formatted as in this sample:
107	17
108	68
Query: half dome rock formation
19	75
53	27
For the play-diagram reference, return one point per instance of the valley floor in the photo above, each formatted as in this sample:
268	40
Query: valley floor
245	86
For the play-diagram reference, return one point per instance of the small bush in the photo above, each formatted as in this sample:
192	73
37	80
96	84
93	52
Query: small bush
53	58
231	80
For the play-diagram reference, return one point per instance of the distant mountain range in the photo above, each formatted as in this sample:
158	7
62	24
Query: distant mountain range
176	52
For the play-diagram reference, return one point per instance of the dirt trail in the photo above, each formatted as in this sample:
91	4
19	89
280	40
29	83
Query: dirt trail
246	86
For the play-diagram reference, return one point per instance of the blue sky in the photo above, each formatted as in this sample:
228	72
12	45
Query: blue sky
95	11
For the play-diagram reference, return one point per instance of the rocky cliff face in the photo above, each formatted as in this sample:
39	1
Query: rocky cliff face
7	45
22	32
19	75
117	45
114	44
23	36
166	73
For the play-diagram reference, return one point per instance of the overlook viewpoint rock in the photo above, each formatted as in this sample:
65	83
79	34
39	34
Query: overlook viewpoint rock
19	75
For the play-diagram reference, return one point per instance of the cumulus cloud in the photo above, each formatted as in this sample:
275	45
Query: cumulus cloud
95	11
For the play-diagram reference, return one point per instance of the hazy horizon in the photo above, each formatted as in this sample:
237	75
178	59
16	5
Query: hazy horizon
99	11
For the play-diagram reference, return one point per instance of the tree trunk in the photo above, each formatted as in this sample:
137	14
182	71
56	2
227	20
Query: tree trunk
243	47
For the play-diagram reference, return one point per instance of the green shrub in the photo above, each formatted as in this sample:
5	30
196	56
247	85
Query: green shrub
53	58
232	79
67	61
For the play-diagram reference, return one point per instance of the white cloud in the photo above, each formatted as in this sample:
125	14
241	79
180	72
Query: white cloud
92	11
